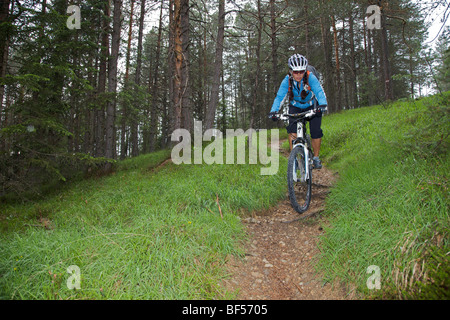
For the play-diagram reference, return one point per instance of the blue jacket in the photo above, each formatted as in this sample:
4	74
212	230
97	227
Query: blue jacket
316	93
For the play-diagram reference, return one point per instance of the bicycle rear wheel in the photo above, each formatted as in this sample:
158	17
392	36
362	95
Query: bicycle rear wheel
298	185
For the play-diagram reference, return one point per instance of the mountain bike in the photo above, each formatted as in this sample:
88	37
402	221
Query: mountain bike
300	164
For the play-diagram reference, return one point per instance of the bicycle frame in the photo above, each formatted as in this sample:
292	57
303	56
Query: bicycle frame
301	136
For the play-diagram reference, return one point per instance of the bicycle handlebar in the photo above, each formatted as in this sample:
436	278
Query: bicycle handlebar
301	115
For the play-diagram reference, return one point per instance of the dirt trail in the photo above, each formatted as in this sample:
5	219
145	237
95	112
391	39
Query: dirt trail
281	251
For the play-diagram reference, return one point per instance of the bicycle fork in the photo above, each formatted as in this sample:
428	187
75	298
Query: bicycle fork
300	141
305	169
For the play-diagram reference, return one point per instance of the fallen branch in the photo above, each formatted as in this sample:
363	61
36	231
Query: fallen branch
301	291
220	210
305	216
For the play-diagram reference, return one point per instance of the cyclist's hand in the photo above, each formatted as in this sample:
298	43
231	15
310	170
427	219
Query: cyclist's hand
273	116
320	109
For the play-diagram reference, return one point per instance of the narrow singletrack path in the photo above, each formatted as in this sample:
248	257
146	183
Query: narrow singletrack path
281	252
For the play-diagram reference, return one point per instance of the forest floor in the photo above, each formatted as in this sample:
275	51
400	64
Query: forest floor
281	252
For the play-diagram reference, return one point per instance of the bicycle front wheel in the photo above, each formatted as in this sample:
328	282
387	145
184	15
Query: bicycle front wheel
299	185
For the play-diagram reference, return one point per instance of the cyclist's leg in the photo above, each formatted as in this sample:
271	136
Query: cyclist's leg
316	133
316	139
316	146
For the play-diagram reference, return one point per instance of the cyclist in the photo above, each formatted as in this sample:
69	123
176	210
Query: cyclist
305	93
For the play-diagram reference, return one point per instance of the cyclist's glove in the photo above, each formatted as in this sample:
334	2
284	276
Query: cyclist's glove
320	109
273	116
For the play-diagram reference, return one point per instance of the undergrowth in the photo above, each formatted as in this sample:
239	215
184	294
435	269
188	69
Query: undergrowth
390	207
148	231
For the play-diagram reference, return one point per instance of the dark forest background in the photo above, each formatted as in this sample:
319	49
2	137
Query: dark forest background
73	101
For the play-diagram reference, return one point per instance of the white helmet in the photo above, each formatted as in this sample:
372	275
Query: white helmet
297	62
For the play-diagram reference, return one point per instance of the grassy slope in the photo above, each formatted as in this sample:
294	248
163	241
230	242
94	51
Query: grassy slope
390	206
137	234
157	234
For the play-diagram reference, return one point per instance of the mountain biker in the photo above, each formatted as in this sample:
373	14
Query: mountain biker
305	93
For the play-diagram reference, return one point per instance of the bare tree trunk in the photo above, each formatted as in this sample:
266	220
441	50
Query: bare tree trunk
74	108
338	65
125	108
205	77
4	48
101	89
176	62
153	86
112	83
256	96
327	47
224	106
307	42
88	143
366	55
165	117
370	65
130	36
345	98
137	77
215	81
388	91
353	62
186	109
137	80
273	85
411	73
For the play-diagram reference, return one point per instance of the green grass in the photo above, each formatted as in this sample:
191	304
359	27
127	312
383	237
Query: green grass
155	232
390	206
144	232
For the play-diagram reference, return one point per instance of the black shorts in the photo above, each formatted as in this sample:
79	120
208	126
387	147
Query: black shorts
314	123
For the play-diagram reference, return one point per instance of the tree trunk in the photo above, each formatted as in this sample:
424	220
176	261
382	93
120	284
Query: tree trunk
112	83
176	62
411	73
307	41
165	117
274	76
215	81
186	110
88	143
153	86
74	107
137	80
344	73
256	89
137	77
126	112
353	62
388	91
4	48
338	66
204	77
370	67
100	146
327	48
